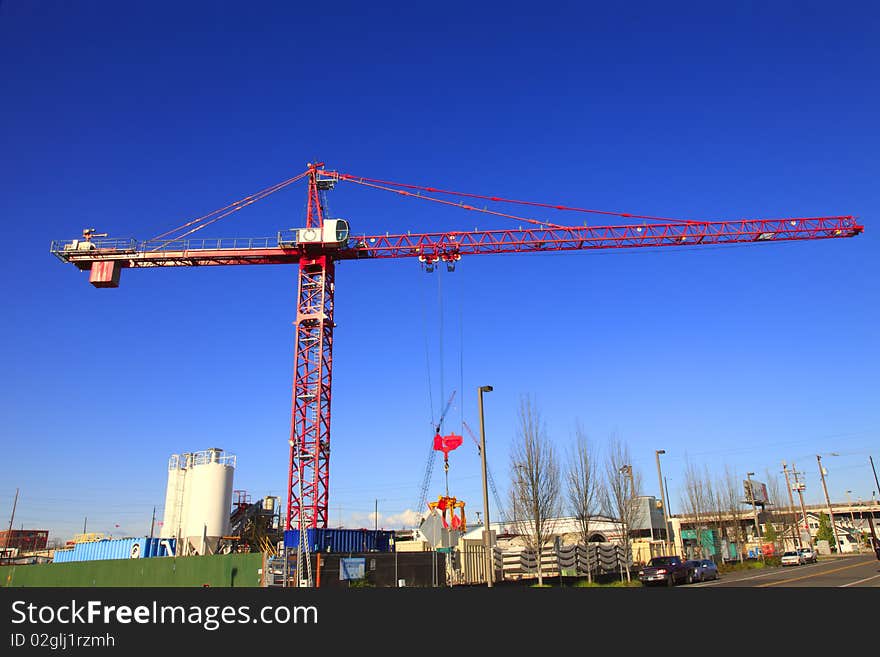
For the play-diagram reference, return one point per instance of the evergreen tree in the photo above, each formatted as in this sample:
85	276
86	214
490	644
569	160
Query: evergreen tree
825	532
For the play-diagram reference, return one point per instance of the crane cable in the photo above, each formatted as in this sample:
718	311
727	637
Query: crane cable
429	464
497	199
456	205
442	381
428	363
225	211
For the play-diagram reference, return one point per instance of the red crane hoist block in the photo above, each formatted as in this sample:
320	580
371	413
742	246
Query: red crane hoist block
446	444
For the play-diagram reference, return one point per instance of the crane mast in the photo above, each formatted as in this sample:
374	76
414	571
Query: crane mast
323	241
308	486
310	424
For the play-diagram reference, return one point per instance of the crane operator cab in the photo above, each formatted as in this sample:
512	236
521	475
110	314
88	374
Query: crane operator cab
333	234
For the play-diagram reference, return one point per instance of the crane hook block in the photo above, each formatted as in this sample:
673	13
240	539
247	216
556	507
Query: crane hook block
448	443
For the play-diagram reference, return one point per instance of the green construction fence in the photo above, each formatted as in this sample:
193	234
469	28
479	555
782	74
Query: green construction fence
224	570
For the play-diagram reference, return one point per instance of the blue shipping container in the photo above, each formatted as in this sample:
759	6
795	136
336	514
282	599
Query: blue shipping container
119	548
343	540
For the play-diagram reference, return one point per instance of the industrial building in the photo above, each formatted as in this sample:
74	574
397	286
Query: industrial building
13	541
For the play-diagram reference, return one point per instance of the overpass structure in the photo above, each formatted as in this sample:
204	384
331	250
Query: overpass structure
853	521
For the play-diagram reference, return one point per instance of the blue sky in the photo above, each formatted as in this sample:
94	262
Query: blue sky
133	119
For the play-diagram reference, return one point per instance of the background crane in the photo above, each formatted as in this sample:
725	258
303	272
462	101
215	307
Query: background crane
429	464
324	241
500	510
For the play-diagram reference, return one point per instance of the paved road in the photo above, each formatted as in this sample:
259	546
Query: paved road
856	571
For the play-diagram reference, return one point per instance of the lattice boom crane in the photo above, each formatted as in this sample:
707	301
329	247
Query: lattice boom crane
324	241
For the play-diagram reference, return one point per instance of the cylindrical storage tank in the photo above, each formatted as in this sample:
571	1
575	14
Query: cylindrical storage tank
186	494
208	499
173	497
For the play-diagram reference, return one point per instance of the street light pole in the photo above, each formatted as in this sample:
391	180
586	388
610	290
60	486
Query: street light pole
754	510
828	502
657	453
487	535
625	510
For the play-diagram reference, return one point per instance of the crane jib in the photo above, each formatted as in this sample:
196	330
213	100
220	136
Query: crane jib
104	258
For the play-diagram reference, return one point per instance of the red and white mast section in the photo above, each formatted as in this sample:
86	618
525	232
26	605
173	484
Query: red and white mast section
309	472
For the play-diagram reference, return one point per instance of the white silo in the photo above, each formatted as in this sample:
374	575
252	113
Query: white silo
207	500
173	497
186	465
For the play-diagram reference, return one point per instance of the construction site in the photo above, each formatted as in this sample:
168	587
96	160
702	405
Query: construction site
211	533
366	323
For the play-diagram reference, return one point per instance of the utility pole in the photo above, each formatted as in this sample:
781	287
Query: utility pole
800	492
11	520
377	515
874	470
875	543
795	530
396	577
828	502
852	519
153	522
666	488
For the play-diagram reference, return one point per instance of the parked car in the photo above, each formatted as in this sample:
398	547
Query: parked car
704	570
694	566
666	570
793	558
810	555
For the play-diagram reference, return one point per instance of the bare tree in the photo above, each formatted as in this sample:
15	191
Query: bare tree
730	491
696	501
583	487
55	543
620	495
776	507
535	490
715	514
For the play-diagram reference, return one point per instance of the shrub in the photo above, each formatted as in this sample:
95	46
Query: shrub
584	584
748	564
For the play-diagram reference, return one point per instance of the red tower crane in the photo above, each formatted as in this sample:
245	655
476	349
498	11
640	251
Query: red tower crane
323	241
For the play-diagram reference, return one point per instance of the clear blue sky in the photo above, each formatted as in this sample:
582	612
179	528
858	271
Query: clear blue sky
133	119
